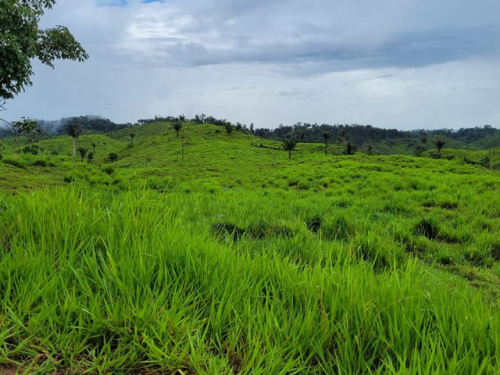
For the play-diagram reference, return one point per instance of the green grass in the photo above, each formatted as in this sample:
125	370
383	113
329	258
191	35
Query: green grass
237	260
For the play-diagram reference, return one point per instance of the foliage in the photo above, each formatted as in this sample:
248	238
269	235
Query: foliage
113	156
289	145
229	127
22	41
321	264
83	152
440	144
177	126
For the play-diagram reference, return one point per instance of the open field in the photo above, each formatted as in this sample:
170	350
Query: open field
216	254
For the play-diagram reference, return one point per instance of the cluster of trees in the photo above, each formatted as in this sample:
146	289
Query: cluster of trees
366	135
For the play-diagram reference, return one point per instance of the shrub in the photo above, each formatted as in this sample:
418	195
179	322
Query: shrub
428	227
55	153
40	163
108	170
113	157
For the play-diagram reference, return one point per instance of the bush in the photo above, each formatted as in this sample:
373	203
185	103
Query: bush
55	153
113	157
108	170
40	163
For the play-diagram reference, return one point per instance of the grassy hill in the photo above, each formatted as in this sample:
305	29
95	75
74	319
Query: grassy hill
209	253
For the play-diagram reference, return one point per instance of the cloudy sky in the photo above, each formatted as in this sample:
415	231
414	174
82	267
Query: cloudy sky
389	63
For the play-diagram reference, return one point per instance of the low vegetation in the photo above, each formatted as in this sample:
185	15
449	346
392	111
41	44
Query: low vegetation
221	255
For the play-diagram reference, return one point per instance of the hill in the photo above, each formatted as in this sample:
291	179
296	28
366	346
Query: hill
214	253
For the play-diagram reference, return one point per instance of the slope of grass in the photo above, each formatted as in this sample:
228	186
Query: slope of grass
140	280
236	260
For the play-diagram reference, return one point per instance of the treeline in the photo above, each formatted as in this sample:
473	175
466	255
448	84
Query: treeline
365	134
363	137
91	124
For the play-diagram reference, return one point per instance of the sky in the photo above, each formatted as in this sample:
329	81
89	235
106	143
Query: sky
412	64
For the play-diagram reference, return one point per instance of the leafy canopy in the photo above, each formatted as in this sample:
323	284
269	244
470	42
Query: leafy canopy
21	41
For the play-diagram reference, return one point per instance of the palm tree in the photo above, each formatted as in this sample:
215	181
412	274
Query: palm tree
326	137
440	144
74	131
82	151
289	145
177	126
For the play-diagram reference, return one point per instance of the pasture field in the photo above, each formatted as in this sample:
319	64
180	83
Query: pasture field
211	253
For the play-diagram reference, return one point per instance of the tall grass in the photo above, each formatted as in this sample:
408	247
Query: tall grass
93	281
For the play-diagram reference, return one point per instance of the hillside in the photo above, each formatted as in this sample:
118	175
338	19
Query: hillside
214	253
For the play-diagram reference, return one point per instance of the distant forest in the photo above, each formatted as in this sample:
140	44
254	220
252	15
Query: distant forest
361	137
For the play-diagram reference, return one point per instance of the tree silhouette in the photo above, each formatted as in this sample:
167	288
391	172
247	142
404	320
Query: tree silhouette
326	137
83	152
229	127
440	144
74	131
177	126
289	145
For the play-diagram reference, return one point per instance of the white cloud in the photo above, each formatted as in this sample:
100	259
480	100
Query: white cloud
389	63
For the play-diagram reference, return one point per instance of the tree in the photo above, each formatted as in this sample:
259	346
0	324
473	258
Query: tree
90	157
132	135
93	144
350	150
371	149
177	126
19	128
22	41
289	145
74	131
83	152
342	137
440	144
112	157
229	127
326	137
